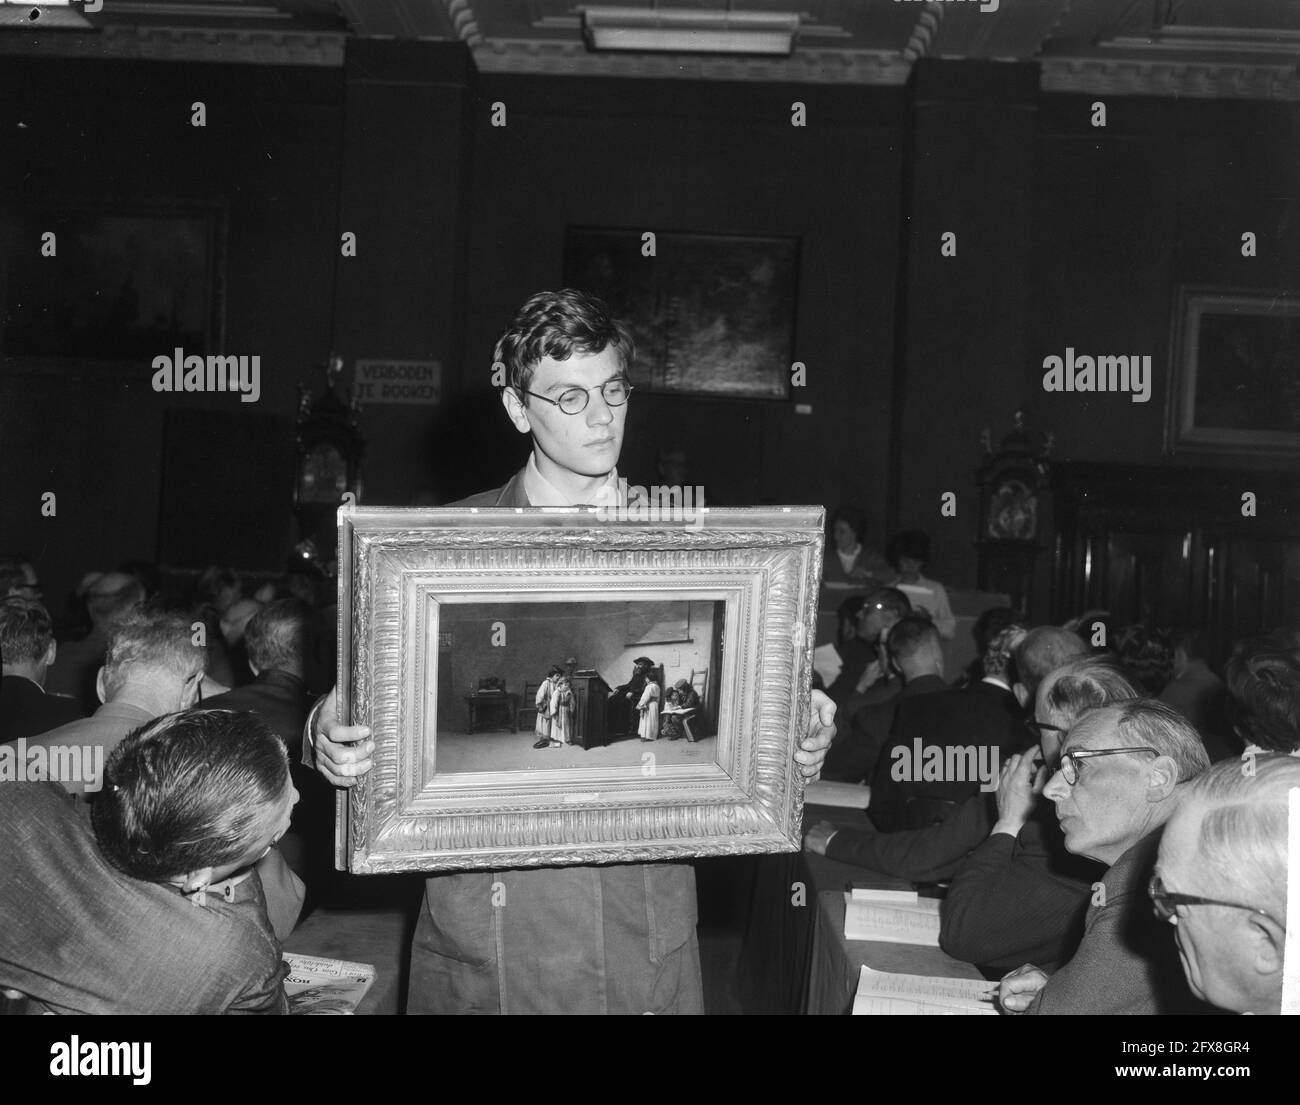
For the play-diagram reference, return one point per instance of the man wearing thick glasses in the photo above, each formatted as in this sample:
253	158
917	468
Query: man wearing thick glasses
1222	881
613	939
1117	782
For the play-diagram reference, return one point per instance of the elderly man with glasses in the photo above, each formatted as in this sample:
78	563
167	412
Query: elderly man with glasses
1222	881
1116	785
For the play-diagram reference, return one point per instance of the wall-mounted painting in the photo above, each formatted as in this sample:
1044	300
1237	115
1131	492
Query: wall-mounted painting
86	284
1234	380
712	314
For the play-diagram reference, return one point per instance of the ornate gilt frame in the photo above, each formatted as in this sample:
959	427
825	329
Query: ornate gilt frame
765	563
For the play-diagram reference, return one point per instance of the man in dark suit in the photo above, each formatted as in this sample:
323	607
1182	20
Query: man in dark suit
918	670
613	939
277	640
27	650
943	746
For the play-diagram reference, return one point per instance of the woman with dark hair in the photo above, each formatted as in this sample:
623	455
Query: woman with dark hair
848	561
908	552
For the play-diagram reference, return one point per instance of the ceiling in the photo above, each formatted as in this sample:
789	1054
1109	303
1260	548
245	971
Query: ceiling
1220	48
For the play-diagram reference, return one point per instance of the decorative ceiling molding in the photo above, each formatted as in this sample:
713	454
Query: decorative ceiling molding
804	67
240	47
1132	77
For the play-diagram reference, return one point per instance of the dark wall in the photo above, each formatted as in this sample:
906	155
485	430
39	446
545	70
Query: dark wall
1124	215
706	158
117	134
1067	235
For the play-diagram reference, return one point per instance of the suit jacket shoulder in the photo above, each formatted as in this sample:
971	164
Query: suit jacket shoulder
511	494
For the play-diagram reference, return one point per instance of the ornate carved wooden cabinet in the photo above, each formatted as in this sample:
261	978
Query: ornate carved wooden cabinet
1172	545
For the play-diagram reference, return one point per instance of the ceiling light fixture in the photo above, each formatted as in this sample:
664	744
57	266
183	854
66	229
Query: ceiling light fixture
689	32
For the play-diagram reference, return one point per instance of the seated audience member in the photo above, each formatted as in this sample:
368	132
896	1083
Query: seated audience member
1198	694
149	903
18	579
1263	675
987	626
843	664
964	732
879	681
1147	655
1021	896
109	599
276	640
934	853
233	624
27	649
1116	787
854	755
848	560
1221	882
994	686
153	668
907	553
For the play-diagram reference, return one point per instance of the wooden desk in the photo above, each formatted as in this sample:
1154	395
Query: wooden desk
836	962
477	703
794	958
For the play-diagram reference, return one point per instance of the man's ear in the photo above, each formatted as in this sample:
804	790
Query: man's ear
1267	944
100	685
50	654
514	406
1162	780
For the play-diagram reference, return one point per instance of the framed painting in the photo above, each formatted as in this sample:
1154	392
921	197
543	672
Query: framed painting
514	725
83	283
1234	377
712	314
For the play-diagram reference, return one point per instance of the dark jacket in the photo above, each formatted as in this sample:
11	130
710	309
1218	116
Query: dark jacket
856	749
983	720
278	698
27	711
78	936
1019	899
1128	960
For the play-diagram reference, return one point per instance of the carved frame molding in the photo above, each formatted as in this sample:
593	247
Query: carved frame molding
395	564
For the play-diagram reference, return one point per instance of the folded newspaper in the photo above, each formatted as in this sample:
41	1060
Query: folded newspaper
325	986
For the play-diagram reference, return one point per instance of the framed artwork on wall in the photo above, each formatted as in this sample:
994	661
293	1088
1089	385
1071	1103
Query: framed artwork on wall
1234	375
87	283
712	314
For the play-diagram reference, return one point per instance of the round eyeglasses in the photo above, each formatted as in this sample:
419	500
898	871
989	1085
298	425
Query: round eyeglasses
1166	902
1071	762
574	400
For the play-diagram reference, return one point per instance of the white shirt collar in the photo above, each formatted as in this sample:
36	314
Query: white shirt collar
541	492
